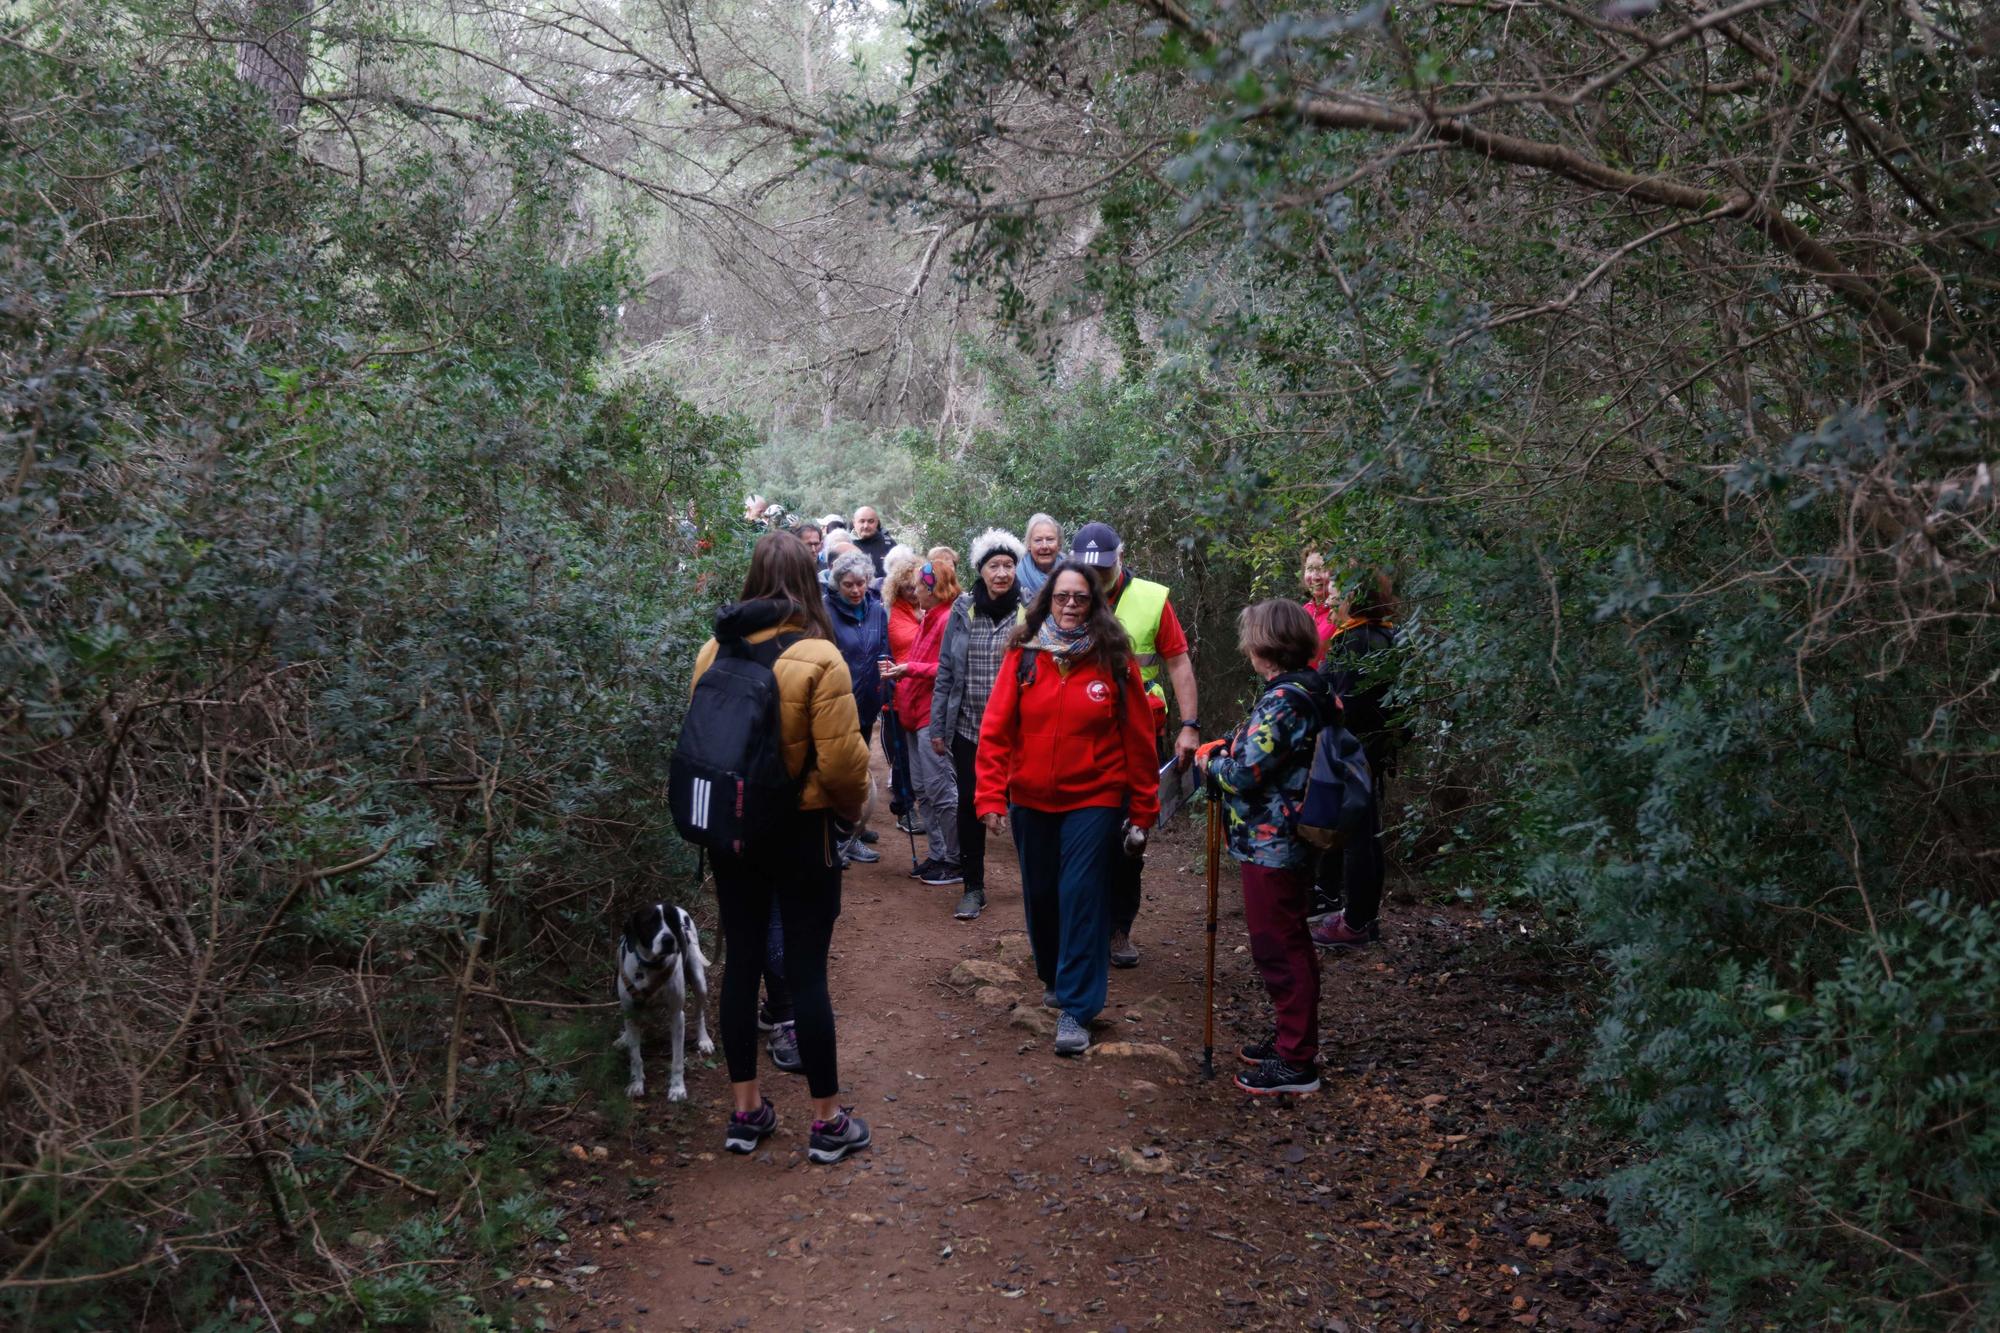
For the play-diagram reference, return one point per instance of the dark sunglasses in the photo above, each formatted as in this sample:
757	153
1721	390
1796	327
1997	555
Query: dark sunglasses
1067	597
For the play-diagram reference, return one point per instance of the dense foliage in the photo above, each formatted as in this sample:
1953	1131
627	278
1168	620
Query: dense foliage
346	613
1656	350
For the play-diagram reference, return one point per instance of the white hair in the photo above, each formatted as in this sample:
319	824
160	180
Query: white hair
850	562
1040	519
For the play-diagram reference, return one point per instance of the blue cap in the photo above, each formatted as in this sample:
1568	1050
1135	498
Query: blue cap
1095	544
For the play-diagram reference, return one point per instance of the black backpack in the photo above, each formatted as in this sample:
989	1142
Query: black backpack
1340	787
727	785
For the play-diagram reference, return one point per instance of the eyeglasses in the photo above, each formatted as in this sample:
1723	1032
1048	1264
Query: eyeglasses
1069	598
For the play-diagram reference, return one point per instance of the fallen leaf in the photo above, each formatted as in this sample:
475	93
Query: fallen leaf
1540	1240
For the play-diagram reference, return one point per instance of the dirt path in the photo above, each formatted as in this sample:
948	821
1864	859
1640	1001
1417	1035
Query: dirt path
1009	1188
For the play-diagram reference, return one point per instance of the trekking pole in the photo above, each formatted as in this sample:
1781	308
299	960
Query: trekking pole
1214	882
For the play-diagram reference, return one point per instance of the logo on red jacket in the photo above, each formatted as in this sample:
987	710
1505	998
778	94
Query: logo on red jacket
1098	691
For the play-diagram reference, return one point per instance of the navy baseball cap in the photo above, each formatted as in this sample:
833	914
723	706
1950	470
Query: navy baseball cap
1095	544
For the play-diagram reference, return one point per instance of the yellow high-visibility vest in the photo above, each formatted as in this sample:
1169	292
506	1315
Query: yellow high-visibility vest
1139	610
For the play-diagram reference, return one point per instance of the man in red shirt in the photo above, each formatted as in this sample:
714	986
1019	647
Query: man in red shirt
1146	611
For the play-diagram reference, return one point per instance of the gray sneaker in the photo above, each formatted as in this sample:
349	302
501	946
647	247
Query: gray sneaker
1072	1037
1049	999
784	1049
971	904
862	852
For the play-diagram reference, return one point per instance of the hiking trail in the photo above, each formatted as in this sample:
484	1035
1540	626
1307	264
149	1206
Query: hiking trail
1009	1188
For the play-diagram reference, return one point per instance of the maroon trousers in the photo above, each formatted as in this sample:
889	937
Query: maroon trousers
1275	903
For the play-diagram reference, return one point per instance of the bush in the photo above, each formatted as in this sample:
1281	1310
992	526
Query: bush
348	606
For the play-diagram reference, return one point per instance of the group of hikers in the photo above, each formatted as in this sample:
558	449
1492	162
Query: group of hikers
1025	693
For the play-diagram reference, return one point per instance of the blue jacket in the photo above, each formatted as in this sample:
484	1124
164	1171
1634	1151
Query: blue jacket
863	640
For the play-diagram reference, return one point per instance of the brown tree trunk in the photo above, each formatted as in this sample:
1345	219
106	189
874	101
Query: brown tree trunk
272	53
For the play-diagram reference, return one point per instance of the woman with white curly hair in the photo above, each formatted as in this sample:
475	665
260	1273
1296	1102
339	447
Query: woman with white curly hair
975	639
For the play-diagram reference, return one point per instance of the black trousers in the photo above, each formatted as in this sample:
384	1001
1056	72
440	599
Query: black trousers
971	833
1351	877
797	875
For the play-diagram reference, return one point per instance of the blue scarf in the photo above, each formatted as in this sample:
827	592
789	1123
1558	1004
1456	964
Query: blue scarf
857	614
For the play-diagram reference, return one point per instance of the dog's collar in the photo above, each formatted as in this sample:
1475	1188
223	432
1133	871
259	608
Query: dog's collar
651	962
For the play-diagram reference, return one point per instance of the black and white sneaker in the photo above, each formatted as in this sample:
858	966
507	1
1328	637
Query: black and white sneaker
920	870
836	1138
907	821
940	872
1257	1052
1276	1077
747	1129
784	1049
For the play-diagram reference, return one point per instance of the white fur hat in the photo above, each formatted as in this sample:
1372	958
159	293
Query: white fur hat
996	541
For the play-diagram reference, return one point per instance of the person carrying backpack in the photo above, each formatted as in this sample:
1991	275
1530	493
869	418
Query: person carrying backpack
1260	772
1348	886
771	688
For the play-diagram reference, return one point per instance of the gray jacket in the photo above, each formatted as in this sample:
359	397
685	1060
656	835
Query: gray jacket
948	698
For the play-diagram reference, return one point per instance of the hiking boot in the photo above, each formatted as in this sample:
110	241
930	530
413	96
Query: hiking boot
858	850
971	904
1257	1052
1123	954
941	872
784	1049
1072	1037
834	1139
907	821
1335	933
869	836
1049	999
1278	1077
747	1129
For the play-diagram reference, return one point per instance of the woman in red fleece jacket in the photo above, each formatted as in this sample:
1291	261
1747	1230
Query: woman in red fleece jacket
1066	753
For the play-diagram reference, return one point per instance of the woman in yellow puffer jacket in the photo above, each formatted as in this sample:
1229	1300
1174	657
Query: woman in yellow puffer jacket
797	870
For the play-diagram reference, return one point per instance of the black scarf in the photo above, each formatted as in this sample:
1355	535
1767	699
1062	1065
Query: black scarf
995	608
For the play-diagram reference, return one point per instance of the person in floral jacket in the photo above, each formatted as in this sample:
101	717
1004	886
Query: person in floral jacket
1259	772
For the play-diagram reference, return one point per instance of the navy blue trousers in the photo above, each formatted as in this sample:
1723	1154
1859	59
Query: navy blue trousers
1067	862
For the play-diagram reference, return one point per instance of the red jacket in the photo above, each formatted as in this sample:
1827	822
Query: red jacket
904	623
920	664
1067	742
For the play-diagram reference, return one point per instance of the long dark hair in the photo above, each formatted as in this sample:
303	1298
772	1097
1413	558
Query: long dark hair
1111	645
782	570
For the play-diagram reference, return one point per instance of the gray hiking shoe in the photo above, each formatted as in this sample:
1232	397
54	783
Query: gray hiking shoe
784	1049
1123	952
836	1138
971	904
1072	1037
860	851
1049	999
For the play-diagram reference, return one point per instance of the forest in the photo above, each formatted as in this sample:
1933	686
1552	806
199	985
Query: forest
380	387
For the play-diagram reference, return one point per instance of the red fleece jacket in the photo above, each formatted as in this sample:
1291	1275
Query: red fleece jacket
919	682
1067	741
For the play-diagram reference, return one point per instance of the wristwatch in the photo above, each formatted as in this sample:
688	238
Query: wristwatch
1194	722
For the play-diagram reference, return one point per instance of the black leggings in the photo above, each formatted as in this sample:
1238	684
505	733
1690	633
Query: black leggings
1352	875
971	832
798	872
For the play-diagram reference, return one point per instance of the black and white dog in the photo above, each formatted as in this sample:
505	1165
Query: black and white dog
660	954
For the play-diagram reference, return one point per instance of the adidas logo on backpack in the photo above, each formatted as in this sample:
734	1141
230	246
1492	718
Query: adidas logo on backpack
727	784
